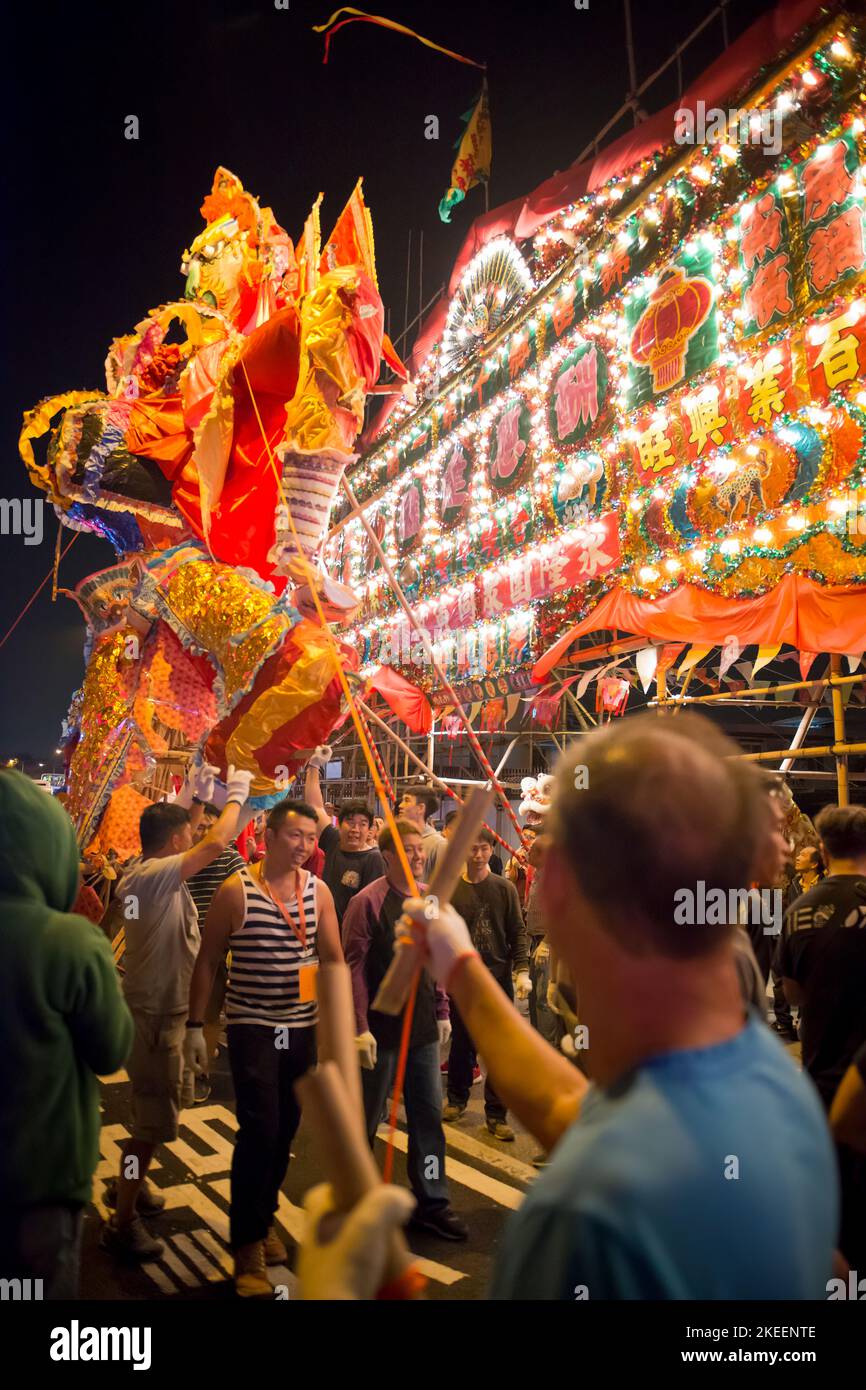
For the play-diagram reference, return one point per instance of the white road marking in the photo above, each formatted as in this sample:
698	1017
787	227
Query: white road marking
216	1250
190	1195
111	1139
501	1192
197	1257
514	1167
292	1219
162	1280
197	1122
177	1266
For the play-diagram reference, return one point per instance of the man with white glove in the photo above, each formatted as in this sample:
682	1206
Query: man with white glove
367	1050
368	945
198	787
162	943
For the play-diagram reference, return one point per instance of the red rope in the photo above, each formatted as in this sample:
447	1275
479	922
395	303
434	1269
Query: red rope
34	596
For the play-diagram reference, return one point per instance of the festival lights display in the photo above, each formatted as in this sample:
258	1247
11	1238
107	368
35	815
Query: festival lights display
669	386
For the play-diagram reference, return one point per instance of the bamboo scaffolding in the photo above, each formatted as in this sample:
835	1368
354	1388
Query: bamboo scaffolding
738	695
829	750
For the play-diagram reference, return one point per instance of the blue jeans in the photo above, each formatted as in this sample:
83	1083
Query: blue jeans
422	1097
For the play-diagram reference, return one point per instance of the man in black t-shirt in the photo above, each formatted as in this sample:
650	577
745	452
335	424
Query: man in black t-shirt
490	907
822	960
368	945
349	864
822	954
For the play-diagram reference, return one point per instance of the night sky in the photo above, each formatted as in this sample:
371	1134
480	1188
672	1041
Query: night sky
95	224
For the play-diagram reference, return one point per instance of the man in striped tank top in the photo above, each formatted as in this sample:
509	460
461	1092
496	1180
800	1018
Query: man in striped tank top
278	921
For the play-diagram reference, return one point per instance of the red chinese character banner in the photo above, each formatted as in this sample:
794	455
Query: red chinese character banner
832	213
768	283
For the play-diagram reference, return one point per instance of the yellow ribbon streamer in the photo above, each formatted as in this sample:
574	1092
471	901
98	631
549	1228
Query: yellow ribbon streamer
390	24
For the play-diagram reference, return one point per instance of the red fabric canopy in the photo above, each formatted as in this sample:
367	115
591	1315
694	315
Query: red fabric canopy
408	702
797	613
762	43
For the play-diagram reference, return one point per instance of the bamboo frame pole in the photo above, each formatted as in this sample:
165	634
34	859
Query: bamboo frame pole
829	750
839	727
399	746
431	656
822	681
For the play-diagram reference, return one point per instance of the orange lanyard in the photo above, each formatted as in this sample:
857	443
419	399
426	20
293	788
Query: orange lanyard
299	898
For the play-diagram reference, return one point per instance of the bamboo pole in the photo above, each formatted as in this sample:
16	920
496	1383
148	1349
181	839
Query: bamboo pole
839	727
394	989
336	1032
822	681
829	750
346	1157
400	746
431	656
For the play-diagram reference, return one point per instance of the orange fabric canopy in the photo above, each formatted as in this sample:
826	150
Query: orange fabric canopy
797	613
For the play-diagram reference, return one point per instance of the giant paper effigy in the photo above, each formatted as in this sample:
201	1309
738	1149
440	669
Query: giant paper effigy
210	462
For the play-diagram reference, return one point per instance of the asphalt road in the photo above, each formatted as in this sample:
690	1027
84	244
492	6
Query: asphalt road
487	1180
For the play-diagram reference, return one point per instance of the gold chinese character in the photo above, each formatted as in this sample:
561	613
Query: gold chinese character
654	450
705	420
838	355
768	396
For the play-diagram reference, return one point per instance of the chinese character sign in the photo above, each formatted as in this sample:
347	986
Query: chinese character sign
832	213
409	515
577	395
836	350
509	451
455	484
768	294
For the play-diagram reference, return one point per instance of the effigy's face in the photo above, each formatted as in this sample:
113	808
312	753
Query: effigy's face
214	264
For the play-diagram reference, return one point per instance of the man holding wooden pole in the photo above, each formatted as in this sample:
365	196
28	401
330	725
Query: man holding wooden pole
368	934
698	1164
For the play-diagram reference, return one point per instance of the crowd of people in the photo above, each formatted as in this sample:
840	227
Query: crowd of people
685	1150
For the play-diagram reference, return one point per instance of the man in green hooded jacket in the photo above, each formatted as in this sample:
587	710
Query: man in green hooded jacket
63	1022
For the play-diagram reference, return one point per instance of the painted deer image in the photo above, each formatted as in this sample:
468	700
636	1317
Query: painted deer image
745	484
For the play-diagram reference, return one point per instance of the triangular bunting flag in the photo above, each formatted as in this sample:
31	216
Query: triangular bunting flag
807	660
646	662
730	653
691	658
764	657
853	659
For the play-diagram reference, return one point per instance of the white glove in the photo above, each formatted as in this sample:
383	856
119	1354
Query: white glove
522	984
352	1263
237	785
443	1026
443	934
368	1050
322	756
199	783
204	778
195	1051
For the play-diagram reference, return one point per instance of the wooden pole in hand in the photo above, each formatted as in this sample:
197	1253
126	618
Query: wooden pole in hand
394	989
